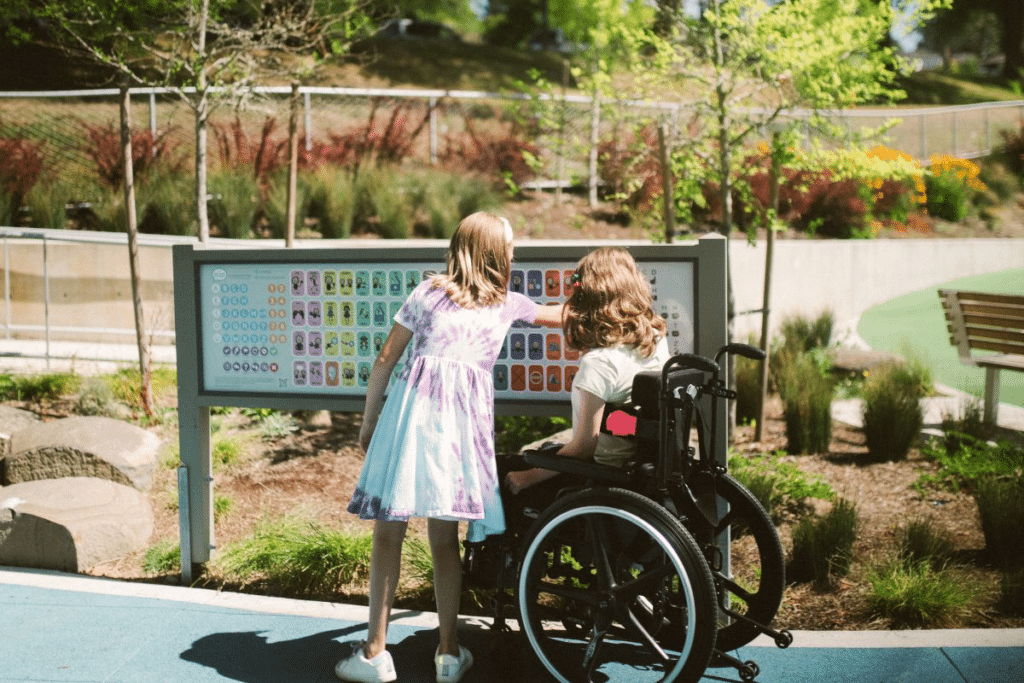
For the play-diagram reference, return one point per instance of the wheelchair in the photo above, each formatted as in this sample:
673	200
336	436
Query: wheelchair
653	571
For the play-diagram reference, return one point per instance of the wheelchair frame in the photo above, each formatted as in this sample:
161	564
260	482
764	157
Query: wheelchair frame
624	566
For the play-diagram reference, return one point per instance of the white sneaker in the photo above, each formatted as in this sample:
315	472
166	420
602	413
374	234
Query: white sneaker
356	668
451	669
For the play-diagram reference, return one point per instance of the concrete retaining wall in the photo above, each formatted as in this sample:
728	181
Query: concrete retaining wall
89	284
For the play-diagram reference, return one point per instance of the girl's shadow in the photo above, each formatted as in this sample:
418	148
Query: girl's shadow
248	657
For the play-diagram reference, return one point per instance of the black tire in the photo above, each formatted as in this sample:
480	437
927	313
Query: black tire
758	578
611	586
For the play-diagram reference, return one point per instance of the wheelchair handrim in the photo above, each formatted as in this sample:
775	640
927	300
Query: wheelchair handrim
667	547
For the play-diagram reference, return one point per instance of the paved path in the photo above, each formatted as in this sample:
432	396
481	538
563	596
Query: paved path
76	629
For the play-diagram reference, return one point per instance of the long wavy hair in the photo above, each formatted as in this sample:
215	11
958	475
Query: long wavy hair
479	262
611	304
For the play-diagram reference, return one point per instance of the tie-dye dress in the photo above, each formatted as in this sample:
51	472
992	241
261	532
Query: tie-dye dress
432	452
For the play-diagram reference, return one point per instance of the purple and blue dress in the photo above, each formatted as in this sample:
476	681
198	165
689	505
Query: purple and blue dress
432	452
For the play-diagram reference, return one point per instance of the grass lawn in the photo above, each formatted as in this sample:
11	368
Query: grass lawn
916	321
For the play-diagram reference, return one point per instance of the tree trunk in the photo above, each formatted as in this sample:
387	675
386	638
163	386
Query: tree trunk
773	204
133	252
1012	15
202	115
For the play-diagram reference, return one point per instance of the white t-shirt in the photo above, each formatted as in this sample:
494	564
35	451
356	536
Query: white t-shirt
608	374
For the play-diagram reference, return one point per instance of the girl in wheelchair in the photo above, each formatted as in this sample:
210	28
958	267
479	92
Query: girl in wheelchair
610	316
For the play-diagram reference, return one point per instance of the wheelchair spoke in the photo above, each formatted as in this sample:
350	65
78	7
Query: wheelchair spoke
581	595
600	543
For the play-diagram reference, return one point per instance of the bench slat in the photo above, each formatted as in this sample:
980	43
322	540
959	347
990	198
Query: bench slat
1011	336
1013	362
984	345
1002	315
1011	299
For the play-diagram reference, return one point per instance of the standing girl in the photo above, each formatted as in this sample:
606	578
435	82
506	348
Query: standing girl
610	316
430	450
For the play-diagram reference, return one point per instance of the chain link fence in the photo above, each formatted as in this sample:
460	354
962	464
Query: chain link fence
433	127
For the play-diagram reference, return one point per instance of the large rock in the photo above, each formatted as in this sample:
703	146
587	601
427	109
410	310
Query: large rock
71	524
83	447
12	420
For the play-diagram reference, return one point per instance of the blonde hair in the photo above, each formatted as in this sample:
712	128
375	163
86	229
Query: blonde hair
611	304
479	262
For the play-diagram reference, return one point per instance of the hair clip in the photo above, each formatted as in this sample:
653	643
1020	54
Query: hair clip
575	278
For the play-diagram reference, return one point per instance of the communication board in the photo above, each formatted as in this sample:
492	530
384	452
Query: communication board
315	327
295	329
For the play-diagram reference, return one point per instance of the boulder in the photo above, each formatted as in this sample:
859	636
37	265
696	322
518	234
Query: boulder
12	420
83	447
71	524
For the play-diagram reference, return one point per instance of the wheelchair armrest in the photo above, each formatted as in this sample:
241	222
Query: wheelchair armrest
583	468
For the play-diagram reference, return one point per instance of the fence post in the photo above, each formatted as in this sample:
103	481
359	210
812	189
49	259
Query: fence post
46	299
307	104
433	130
954	122
595	124
152	113
924	138
7	284
988	133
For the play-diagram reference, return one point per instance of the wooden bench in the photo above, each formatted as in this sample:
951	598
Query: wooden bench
992	323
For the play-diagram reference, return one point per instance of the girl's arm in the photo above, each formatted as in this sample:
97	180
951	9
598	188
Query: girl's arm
587	411
549	316
394	347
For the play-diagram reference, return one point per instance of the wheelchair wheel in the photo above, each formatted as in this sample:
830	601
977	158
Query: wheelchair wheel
612	586
757	579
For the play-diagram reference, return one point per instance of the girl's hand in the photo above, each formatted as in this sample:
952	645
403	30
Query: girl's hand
366	432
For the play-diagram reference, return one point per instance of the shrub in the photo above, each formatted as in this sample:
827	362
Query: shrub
294	557
369	142
162	558
950	184
973	461
97	398
892	410
629	167
915	595
103	147
388	203
806	392
510	156
38	388
234	203
778	485
823	546
748	389
835	207
922	541
1001	508
515	431
332	201
1013	149
167	205
798	334
1012	591
262	156
969	427
275	206
22	165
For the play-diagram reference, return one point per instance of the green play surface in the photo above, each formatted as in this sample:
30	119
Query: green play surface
915	322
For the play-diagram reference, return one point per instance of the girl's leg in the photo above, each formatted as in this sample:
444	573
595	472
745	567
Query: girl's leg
385	566
444	547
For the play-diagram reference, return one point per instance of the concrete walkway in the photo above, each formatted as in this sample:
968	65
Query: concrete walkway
77	629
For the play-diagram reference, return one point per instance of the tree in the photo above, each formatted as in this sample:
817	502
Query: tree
206	51
745	63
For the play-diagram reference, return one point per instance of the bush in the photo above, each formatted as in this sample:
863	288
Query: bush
748	389
333	201
915	595
922	541
167	205
778	485
950	184
298	558
806	392
968	428
823	546
162	558
1001	508
798	334
38	388
103	147
515	431
22	165
972	462
234	203
892	410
